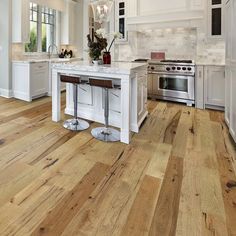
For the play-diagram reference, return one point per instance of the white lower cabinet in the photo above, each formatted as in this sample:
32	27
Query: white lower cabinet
214	86
210	87
30	80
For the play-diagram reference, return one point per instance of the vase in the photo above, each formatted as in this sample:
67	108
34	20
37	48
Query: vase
106	58
95	62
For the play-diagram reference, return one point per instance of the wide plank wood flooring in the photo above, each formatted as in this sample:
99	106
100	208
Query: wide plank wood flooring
177	177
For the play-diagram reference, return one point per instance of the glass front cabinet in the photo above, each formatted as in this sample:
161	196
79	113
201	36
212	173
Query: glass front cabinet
215	18
120	13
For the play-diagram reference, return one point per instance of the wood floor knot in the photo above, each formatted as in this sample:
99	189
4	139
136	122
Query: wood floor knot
231	184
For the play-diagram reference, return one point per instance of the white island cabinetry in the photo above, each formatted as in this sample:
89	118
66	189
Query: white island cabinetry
128	104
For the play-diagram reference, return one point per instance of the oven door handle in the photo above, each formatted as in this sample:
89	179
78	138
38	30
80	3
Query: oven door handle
170	74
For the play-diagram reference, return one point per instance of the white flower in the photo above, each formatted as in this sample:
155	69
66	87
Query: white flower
101	32
117	35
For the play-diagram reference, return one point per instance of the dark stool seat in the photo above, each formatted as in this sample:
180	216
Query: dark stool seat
106	133
74	124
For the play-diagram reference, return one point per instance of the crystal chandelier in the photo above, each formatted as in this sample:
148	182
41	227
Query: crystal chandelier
101	10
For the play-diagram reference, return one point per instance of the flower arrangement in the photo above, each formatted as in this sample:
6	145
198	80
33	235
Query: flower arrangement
100	44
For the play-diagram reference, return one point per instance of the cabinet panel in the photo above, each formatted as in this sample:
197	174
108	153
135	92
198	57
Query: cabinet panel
39	78
227	94
215	86
199	91
85	94
20	21
150	7
68	23
233	104
233	31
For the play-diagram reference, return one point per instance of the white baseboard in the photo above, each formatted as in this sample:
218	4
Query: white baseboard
6	93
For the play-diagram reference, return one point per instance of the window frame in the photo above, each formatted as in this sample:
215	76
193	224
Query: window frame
39	28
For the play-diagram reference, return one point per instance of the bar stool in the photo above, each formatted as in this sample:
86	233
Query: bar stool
105	134
74	124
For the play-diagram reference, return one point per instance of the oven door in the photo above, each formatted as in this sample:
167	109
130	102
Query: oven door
174	86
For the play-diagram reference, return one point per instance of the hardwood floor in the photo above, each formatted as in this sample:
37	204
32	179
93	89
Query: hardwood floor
177	177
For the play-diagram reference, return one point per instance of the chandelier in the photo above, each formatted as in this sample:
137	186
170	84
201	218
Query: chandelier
101	10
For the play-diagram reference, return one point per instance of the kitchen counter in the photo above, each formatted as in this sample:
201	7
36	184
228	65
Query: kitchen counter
115	67
127	105
209	64
52	60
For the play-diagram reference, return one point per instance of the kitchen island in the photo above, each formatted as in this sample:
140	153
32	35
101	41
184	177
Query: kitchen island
127	109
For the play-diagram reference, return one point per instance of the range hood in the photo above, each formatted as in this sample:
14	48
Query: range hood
177	19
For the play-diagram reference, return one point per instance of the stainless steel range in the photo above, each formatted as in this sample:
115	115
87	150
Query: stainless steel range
172	80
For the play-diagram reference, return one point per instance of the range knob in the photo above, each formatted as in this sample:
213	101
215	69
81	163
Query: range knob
152	68
178	68
189	68
184	68
168	68
173	68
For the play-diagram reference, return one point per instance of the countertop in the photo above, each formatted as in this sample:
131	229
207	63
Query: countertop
114	68
53	60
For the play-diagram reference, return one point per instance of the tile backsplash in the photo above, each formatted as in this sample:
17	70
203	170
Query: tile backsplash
179	43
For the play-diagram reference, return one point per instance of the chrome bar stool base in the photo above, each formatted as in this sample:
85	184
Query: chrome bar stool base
106	134
76	125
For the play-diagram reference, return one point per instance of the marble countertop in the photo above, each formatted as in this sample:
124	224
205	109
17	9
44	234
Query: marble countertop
204	63
53	60
114	68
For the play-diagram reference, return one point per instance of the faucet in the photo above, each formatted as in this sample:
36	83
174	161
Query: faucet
51	46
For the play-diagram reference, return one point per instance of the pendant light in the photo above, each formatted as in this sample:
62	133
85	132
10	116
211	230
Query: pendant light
101	10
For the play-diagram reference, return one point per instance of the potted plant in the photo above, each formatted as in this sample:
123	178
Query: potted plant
96	47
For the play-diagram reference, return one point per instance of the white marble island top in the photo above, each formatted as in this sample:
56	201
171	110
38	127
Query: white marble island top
129	103
124	68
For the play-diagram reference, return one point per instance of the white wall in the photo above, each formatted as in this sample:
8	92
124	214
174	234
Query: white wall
5	47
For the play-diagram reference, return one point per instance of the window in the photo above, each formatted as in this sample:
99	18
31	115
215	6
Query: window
42	28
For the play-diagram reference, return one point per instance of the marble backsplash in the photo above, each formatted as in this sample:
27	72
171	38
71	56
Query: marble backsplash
179	43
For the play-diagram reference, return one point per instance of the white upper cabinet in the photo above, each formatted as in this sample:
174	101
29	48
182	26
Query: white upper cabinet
68	23
178	13
20	21
152	7
215	18
121	18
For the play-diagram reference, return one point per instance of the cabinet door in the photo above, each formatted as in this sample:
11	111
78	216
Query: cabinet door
149	84
227	94
140	97
39	78
215	18
20	21
215	86
68	23
233	32
115	100
233	103
85	94
228	32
